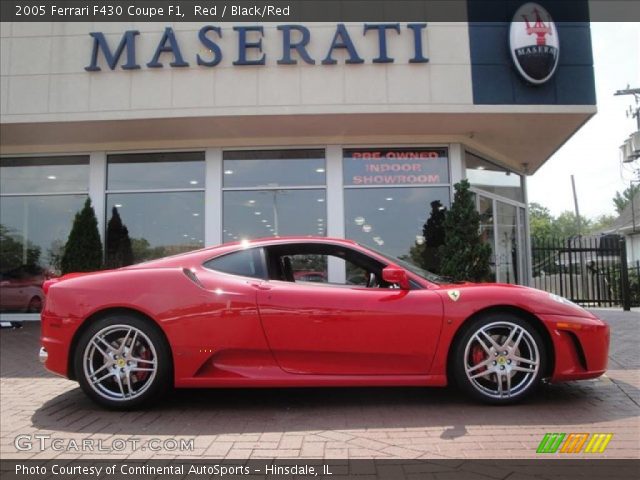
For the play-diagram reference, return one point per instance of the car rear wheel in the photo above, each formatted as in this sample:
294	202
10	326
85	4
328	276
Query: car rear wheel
499	359
122	361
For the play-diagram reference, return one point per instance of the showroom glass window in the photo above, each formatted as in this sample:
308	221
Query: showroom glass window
492	178
273	192
39	197
155	205
395	200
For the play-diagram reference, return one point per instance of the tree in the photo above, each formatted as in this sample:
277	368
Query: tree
566	225
603	222
119	250
15	252
434	235
83	250
464	255
621	200
540	221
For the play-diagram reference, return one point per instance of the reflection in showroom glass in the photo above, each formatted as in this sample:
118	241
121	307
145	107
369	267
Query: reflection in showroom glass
154	171
393	220
158	224
273	168
33	232
263	213
30	175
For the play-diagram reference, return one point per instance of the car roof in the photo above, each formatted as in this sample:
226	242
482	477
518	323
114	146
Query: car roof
213	251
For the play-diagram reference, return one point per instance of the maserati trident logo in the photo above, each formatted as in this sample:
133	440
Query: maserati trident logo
534	43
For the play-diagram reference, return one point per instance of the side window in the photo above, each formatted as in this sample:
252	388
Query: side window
313	267
246	263
312	263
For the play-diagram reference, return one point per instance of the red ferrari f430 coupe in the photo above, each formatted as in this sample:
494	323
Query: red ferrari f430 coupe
249	314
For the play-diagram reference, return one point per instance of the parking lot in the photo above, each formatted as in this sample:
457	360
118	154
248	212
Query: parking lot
52	418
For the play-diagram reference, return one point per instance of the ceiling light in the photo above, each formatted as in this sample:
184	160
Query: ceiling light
321	200
359	221
268	226
193	182
320	170
251	202
257	213
264	220
118	205
320	219
195	214
381	209
52	177
228	172
366	228
185	235
388	199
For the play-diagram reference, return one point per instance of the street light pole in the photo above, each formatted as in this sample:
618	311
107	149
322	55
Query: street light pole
636	93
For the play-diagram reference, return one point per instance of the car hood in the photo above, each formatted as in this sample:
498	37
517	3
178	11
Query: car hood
531	299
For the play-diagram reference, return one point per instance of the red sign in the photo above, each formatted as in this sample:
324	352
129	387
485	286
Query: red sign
402	166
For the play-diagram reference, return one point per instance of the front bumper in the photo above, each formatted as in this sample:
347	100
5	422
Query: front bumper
581	346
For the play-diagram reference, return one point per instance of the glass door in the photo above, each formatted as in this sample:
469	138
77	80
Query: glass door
507	245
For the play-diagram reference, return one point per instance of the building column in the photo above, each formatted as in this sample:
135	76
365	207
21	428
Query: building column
213	197
335	208
97	189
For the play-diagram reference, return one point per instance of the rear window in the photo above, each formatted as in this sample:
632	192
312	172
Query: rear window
246	263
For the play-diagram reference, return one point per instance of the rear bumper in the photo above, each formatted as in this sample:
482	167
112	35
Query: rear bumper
55	341
581	346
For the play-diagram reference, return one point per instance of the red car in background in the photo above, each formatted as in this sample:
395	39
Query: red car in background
236	315
21	290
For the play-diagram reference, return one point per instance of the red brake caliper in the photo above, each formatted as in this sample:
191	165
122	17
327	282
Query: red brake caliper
144	354
478	355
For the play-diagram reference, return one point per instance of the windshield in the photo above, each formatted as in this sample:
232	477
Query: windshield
421	272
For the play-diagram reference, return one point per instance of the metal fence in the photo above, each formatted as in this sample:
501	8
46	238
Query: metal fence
590	270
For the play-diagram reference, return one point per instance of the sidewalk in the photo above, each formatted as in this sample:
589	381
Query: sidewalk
317	423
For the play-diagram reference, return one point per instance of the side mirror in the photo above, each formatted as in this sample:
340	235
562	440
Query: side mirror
396	275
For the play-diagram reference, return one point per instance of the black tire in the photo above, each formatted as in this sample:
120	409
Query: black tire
86	356
468	353
35	305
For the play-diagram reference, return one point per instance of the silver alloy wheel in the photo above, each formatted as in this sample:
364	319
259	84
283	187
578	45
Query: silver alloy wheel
120	362
501	360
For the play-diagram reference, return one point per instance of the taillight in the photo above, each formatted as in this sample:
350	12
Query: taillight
47	284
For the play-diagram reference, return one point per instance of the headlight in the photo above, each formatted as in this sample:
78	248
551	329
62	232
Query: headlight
559	299
582	311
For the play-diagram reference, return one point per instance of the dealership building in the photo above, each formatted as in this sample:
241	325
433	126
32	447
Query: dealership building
196	134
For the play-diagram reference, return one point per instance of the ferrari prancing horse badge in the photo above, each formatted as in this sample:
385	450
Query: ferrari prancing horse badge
454	295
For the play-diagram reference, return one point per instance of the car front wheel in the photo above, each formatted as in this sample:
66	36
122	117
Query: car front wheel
499	359
122	362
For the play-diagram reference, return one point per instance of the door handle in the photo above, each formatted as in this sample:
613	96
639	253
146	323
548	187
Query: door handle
260	285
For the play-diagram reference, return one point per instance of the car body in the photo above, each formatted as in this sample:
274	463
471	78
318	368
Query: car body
235	316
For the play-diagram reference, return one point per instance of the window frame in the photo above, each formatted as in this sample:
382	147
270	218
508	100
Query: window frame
223	189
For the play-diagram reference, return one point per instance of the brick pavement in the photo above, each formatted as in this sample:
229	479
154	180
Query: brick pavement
318	423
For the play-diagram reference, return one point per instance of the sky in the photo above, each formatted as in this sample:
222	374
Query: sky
592	154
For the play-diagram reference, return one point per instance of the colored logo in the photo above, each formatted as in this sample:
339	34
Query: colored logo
534	43
574	443
454	295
